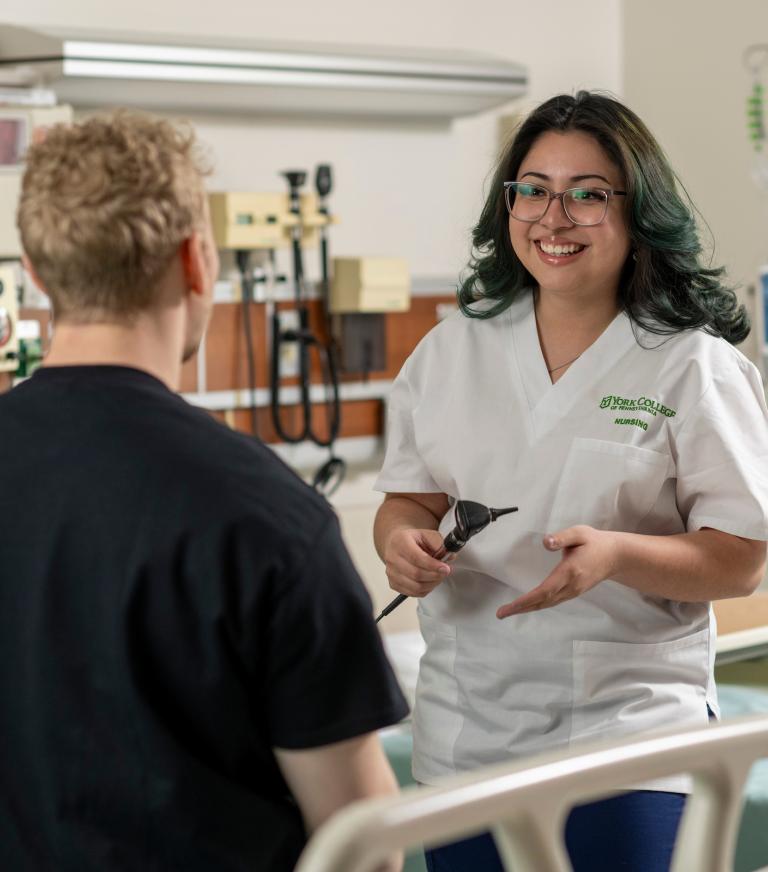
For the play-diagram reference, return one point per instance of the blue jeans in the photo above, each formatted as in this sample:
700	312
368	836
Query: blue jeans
633	832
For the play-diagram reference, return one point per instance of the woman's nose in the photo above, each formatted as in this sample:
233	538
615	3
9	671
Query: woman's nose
555	216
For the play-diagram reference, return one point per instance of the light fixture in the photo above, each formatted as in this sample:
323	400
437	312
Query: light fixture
235	76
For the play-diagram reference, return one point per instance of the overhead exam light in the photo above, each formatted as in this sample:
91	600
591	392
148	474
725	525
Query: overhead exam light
90	69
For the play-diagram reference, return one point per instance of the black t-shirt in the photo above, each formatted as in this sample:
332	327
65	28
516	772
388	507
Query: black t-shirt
174	603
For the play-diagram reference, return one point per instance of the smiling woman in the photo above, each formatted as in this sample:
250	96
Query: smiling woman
664	287
594	383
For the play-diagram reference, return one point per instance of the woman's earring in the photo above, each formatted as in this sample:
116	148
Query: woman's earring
634	256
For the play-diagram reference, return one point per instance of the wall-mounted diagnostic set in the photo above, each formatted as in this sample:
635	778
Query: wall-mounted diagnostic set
248	222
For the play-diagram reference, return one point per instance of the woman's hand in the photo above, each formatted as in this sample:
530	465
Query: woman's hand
411	569
589	557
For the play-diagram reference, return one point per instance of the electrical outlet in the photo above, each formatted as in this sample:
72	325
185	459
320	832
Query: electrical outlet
289	351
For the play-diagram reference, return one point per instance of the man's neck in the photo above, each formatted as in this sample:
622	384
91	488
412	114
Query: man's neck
153	345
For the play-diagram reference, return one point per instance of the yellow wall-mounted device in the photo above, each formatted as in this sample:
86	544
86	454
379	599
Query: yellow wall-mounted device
9	318
252	220
10	189
17	126
370	284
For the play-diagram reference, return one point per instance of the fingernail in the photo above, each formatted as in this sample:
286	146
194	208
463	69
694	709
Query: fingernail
551	542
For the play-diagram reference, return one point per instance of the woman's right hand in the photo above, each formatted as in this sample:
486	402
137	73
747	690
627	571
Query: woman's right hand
411	568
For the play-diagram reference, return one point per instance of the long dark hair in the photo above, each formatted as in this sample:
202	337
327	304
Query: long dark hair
663	287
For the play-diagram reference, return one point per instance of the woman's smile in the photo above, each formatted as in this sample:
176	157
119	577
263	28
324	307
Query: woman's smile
558	252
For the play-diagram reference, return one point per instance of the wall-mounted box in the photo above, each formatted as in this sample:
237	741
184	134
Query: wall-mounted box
17	126
9	317
253	219
10	188
370	284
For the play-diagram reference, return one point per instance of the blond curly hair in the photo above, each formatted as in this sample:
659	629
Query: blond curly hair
104	206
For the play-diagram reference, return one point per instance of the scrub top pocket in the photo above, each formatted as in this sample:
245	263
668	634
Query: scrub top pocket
608	485
623	688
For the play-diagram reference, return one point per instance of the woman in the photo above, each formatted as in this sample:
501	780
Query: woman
591	379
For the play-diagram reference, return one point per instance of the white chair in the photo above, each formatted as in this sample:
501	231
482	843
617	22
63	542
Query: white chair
525	805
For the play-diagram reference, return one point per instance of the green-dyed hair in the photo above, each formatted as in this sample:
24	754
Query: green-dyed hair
664	287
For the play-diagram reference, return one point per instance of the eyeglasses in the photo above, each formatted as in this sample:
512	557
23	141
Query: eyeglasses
584	206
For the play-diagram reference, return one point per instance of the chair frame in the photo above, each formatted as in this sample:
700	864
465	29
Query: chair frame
525	805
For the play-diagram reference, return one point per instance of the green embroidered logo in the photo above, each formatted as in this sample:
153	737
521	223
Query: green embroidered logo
641	404
634	422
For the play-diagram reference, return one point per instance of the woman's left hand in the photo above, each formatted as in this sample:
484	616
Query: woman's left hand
589	557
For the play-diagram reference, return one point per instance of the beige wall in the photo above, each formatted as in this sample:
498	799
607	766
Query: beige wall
683	73
401	190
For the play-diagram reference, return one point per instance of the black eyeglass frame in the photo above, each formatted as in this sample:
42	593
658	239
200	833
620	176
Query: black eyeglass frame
552	195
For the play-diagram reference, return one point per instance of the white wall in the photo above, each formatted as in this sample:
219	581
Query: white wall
683	74
400	190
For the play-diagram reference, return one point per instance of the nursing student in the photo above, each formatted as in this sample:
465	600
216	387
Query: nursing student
591	378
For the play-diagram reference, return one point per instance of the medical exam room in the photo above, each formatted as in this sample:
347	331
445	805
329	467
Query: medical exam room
384	436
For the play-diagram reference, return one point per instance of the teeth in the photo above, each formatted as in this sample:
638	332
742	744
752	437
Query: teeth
558	250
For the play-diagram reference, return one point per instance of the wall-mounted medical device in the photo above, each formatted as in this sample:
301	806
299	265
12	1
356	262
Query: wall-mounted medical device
224	75
755	59
17	126
363	290
258	220
247	222
9	318
370	284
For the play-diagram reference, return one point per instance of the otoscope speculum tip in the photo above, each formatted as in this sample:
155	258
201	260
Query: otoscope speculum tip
497	513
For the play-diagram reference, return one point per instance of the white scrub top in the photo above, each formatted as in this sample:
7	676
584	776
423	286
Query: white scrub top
661	437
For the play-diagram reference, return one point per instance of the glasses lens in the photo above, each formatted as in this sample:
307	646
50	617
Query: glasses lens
585	205
526	202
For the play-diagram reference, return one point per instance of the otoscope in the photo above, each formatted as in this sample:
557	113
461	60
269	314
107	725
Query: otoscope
323	183
470	519
303	337
330	475
295	179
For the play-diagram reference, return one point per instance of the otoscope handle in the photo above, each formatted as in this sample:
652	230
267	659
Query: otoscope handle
451	544
400	598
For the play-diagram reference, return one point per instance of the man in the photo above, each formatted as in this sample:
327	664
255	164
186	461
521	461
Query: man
190	678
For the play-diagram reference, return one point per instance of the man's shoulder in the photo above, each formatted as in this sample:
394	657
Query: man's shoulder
129	427
240	469
214	445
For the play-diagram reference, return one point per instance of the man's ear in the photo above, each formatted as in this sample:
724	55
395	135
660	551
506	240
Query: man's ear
27	263
193	263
